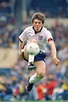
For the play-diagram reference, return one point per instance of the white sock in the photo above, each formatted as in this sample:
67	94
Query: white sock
31	58
34	78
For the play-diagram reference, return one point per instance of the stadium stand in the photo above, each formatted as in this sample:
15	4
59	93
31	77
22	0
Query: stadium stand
8	57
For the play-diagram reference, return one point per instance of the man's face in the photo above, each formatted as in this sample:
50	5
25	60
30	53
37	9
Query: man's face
37	24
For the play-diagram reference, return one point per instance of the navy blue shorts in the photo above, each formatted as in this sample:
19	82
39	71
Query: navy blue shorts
39	57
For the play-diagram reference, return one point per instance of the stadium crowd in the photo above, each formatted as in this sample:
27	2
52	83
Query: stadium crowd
13	87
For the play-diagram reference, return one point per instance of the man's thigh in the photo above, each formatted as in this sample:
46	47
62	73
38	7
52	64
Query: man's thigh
40	66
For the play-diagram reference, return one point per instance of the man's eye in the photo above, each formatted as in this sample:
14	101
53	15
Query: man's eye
35	22
38	22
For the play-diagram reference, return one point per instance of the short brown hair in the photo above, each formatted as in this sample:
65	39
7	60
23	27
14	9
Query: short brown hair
39	16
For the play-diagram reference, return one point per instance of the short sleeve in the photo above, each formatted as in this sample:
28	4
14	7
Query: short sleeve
48	35
23	36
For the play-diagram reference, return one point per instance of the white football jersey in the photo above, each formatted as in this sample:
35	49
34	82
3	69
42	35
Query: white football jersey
42	37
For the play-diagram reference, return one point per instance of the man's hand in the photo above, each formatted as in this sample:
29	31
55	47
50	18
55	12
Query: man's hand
56	61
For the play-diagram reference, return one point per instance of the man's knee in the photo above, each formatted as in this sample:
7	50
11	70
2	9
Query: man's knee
41	74
25	53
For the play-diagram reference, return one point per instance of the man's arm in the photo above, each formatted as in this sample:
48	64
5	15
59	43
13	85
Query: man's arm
53	50
20	46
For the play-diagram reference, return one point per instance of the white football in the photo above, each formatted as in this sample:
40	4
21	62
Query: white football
33	48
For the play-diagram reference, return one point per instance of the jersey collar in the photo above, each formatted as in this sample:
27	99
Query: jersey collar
36	31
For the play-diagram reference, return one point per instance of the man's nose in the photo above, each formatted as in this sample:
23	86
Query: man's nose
37	23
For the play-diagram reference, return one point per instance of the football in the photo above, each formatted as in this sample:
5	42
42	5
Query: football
33	48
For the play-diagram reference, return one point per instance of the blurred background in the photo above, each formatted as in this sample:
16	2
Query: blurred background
15	16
